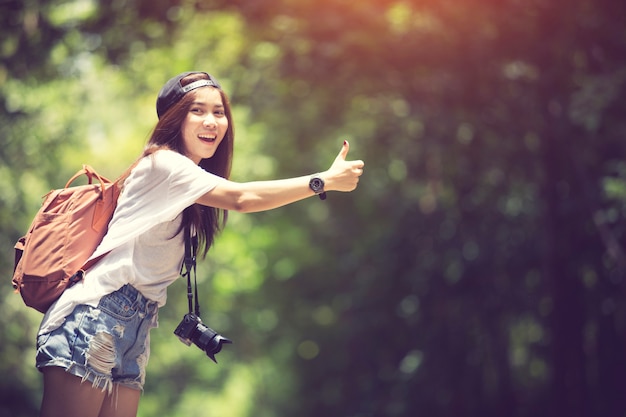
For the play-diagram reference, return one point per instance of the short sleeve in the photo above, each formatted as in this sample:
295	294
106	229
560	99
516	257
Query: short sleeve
158	189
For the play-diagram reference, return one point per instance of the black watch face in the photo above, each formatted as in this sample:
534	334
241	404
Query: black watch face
317	184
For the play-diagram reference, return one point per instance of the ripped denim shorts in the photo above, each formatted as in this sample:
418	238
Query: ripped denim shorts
106	345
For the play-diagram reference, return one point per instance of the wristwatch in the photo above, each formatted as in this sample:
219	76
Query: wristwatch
316	183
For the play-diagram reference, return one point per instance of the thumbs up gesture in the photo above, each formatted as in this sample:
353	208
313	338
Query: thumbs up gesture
343	175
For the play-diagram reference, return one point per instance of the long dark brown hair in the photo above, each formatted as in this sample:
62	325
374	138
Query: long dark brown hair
208	221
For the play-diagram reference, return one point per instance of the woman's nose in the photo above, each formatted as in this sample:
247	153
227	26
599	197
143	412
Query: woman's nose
209	121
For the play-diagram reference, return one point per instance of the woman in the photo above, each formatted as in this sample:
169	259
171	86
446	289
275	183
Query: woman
93	343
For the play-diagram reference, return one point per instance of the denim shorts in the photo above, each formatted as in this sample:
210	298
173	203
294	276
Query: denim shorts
106	345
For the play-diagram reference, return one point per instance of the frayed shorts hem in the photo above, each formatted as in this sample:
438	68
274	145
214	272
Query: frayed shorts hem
98	381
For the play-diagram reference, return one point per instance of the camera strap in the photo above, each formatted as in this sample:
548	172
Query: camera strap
189	266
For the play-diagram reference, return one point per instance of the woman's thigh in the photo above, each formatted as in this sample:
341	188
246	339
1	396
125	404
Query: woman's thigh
123	402
64	395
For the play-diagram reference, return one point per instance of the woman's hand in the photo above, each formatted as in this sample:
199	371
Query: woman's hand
343	175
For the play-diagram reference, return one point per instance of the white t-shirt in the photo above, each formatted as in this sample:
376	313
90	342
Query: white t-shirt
144	249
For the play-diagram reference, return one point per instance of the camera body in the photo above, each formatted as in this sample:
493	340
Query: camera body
192	330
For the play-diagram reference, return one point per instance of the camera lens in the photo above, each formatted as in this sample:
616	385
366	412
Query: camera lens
208	340
192	330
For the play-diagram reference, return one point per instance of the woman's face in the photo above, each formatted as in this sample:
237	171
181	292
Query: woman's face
205	125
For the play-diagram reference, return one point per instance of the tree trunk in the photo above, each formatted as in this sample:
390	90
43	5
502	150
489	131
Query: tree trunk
563	233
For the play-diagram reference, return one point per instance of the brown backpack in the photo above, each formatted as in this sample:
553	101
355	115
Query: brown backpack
68	227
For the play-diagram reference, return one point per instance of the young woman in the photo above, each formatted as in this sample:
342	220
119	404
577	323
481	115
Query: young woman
93	343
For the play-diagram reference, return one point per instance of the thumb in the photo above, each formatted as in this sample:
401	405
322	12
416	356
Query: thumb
344	151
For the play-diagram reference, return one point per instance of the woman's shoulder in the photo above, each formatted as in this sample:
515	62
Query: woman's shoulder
167	156
165	161
171	168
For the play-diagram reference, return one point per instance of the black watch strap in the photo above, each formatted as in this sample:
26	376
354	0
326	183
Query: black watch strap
316	184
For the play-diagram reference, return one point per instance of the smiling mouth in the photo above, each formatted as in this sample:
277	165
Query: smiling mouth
207	138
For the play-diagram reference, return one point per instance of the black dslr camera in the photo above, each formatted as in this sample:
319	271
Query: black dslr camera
191	329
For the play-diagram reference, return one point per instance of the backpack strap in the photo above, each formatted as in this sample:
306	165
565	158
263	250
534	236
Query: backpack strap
80	274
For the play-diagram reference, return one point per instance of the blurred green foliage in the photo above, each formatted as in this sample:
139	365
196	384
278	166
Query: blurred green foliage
478	270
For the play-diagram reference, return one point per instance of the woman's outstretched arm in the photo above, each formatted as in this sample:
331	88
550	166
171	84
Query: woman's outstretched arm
256	196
